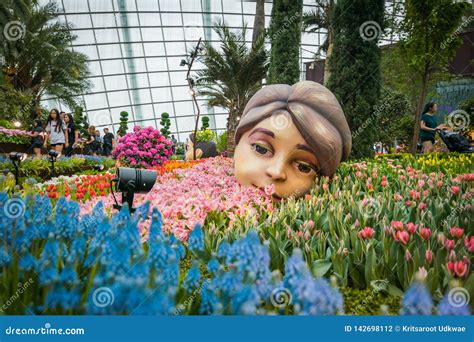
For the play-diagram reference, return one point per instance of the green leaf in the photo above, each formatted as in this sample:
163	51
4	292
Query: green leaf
321	267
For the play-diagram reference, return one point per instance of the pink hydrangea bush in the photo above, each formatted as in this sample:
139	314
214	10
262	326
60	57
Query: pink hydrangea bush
144	147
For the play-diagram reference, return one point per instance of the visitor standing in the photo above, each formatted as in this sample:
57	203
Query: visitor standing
174	141
91	142
109	142
56	132
99	142
72	133
38	138
428	126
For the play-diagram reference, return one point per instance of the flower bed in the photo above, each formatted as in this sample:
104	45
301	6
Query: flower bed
373	229
96	265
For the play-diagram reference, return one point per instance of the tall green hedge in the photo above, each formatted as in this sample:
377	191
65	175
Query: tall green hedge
285	37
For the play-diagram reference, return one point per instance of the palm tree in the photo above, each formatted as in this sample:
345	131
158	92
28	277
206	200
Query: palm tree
232	75
320	18
37	55
259	22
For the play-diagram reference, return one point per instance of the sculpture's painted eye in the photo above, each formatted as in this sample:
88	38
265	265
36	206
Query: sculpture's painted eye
305	168
260	149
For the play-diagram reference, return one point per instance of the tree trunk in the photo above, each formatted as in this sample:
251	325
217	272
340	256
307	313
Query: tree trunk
328	55
231	127
259	21
416	130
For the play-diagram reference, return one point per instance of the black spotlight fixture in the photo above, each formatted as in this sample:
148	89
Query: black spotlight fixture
17	158
183	62
99	167
53	155
131	181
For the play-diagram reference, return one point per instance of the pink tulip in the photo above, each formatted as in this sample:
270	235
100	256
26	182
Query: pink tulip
449	244
469	243
401	236
397	225
425	233
366	233
455	189
456	232
429	256
411	227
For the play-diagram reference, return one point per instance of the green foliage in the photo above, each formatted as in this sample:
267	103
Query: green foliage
395	118
233	73
429	42
15	105
123	127
285	37
18	139
165	123
355	68
205	123
468	107
369	302
221	142
205	135
80	121
40	169
59	71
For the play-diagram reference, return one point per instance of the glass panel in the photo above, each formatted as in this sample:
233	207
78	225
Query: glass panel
79	20
110	51
105	20
184	108
169	5
135	65
95	101
157	64
147	5
171	19
112	67
178	78
106	36
97	84
146	112
185	124
177	48
116	113
99	118
216	6
130	35
74	6
233	7
164	107
115	82
152	34
119	98
94	68
161	94
101	6
84	37
149	19
89	50
181	93
158	79
154	49
140	96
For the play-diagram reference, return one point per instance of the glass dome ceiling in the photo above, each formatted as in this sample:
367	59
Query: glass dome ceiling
135	48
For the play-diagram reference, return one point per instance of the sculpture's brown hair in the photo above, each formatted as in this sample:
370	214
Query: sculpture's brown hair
316	114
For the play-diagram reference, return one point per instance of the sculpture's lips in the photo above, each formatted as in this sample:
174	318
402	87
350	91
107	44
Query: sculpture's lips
275	197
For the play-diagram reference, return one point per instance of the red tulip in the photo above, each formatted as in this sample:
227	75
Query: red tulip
425	233
449	244
366	233
411	227
429	256
456	232
458	268
402	237
422	206
397	225
469	243
455	189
